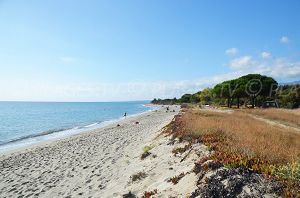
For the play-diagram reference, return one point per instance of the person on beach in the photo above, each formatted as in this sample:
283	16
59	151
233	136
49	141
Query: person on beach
125	115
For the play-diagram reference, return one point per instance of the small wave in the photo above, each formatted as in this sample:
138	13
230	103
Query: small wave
90	125
63	132
33	136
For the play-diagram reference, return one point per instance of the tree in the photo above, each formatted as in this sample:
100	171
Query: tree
289	96
239	90
205	96
174	100
154	101
226	90
195	98
186	98
253	85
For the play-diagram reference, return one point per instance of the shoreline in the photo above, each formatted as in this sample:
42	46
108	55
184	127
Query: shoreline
67	133
94	161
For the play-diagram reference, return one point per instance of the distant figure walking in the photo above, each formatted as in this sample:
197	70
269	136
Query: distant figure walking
125	115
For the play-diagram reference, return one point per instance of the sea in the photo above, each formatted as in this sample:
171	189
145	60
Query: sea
23	124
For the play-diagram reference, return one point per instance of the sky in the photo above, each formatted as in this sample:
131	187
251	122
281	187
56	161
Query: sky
113	50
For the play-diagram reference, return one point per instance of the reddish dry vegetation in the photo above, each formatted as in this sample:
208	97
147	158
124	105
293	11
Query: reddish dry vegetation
286	116
176	179
149	194
243	133
242	141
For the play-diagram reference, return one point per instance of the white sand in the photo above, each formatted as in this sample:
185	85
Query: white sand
101	163
94	164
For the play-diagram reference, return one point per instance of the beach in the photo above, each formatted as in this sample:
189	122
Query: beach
98	163
136	157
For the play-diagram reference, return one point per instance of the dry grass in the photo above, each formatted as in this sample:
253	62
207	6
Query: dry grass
240	140
138	176
243	132
286	116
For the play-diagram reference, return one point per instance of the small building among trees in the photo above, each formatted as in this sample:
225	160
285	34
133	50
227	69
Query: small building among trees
270	104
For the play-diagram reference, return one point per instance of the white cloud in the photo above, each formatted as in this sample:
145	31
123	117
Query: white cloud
273	67
266	55
170	89
243	62
276	67
284	39
67	59
232	51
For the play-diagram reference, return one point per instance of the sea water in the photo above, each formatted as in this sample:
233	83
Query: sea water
26	123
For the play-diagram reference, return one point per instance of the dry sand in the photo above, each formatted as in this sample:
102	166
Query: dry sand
94	164
102	163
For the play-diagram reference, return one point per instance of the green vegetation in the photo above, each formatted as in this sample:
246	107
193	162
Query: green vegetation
289	96
148	148
253	89
127	162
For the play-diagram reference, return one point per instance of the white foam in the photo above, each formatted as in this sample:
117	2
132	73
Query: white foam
65	133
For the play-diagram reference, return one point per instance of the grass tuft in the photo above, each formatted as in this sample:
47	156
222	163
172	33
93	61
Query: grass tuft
138	176
148	148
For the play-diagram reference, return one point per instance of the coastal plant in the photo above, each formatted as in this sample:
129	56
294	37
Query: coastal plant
180	150
127	162
280	145
149	194
289	171
177	178
145	154
154	156
239	141
148	148
138	176
180	138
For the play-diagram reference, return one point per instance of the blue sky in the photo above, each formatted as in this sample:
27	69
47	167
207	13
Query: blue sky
135	50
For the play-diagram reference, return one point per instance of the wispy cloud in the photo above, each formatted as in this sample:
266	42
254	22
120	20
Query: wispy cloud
266	55
232	51
284	39
276	67
67	59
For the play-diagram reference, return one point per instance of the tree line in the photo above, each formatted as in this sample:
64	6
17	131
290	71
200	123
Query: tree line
251	89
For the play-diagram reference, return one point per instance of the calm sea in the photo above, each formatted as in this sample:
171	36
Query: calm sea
25	123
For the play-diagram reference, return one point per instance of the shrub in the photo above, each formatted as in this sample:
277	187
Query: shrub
145	154
149	194
138	176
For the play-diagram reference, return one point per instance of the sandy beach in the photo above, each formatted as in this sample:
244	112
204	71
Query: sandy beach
111	162
98	163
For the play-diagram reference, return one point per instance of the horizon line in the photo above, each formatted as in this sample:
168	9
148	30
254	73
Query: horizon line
72	101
